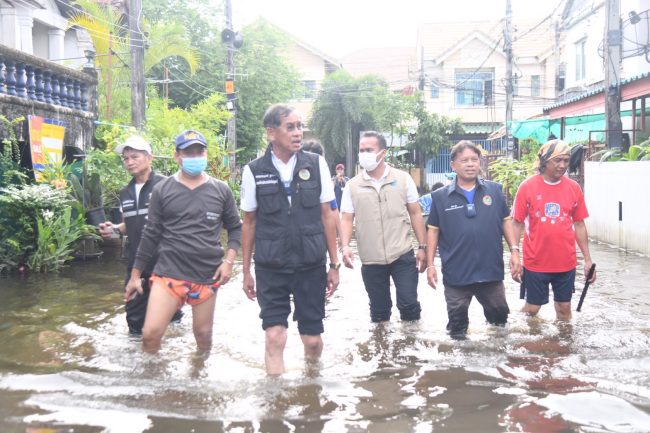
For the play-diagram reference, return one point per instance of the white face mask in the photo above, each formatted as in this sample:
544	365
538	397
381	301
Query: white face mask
368	160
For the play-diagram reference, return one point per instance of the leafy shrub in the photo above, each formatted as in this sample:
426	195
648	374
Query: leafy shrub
56	240
108	166
37	220
639	152
510	173
10	171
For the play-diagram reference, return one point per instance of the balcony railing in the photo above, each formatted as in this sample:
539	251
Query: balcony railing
32	78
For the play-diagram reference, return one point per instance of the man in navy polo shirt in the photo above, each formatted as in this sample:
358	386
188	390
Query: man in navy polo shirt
467	221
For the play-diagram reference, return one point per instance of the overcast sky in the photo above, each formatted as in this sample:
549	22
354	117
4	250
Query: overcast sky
339	27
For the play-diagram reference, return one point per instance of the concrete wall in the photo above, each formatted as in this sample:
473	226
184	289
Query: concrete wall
80	125
607	184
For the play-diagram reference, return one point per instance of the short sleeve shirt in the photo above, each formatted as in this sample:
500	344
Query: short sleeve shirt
411	190
248	189
549	211
471	247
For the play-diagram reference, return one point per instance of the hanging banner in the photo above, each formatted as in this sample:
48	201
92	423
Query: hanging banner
46	142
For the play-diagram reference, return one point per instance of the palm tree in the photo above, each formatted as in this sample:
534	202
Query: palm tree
346	105
108	30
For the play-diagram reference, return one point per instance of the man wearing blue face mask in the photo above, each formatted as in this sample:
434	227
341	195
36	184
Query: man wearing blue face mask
186	214
134	202
384	202
467	221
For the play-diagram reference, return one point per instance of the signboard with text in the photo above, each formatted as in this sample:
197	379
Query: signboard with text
46	142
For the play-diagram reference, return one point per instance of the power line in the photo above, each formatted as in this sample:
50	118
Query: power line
84	12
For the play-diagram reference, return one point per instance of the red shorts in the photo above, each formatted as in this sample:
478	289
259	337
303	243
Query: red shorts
185	291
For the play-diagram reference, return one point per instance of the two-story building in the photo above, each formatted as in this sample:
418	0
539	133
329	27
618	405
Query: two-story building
463	71
579	112
313	65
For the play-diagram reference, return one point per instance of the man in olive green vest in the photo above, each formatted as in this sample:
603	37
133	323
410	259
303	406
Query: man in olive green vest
384	202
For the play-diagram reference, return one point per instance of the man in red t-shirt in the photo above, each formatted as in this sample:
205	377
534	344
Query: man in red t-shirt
550	209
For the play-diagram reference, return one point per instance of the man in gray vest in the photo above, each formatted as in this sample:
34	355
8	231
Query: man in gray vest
384	202
288	220
137	158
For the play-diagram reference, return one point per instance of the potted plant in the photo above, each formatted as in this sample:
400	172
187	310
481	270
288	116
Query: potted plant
88	192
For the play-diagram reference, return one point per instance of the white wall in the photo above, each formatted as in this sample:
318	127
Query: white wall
590	29
607	184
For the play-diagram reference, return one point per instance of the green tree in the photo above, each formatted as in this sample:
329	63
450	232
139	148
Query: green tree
265	76
204	34
432	135
347	105
107	27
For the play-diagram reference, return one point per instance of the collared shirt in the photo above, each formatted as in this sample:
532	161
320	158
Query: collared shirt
248	188
411	190
471	247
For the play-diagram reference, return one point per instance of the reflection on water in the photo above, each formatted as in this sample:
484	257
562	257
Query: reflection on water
68	365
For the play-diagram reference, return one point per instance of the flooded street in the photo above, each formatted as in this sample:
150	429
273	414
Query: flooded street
68	365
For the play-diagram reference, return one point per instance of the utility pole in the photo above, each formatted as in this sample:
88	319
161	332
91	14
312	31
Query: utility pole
613	43
166	82
109	76
137	64
349	156
507	36
230	91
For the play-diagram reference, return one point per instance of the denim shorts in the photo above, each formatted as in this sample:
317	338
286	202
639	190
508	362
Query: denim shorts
307	287
537	286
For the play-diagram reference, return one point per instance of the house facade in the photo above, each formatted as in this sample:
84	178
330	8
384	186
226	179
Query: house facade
463	71
313	66
579	111
396	65
44	70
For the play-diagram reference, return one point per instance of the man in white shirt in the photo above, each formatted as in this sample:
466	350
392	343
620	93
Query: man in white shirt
288	221
384	202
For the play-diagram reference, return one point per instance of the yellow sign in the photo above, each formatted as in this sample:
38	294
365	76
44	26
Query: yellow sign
46	142
230	86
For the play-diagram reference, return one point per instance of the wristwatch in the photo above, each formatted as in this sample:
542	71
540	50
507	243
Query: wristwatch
335	265
422	247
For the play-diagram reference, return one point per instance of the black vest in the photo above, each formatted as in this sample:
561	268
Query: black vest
134	214
288	235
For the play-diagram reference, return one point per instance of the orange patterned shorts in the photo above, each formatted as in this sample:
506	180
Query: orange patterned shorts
185	291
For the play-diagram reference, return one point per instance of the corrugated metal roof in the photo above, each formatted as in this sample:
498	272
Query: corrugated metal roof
595	91
480	128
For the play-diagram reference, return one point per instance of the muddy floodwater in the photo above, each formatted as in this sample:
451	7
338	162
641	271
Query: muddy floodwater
68	365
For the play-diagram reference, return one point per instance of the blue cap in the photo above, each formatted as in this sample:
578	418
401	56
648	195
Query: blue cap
187	138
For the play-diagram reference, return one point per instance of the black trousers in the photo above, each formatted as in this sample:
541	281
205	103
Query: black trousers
491	296
376	278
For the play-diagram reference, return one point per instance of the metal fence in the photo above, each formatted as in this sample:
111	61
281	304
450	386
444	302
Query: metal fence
438	166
